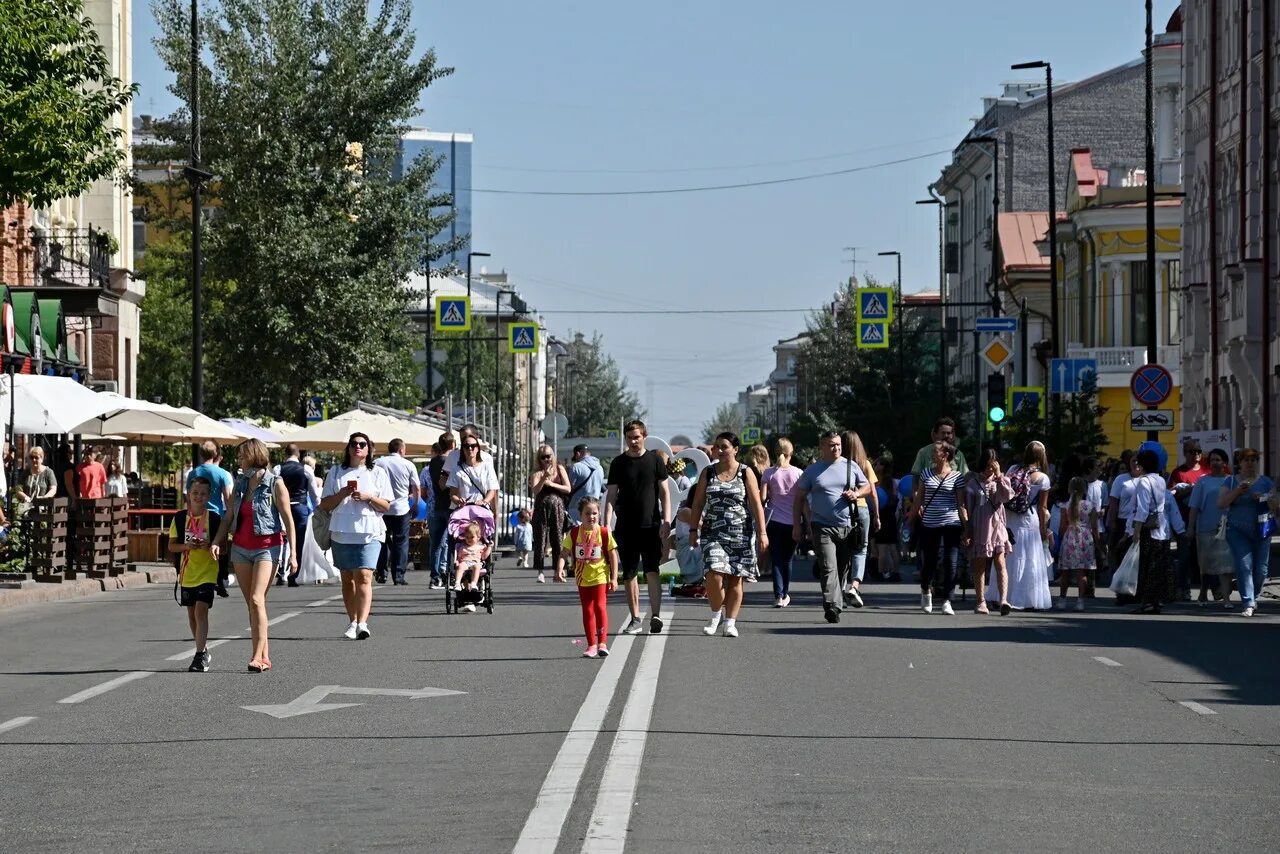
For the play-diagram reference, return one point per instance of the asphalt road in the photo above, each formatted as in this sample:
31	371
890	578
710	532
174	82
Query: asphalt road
893	730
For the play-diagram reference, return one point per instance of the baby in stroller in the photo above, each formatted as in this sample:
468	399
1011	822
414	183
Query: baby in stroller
471	534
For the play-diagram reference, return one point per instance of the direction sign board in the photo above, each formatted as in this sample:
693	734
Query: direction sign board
1072	376
522	338
1151	384
875	304
995	324
1028	397
1142	420
453	314
316	410
751	435
997	353
873	334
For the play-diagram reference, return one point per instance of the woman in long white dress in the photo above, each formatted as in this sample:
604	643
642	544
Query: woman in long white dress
1028	514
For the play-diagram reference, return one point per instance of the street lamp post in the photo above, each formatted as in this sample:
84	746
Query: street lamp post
196	176
898	315
1152	325
470	255
497	346
942	204
1053	199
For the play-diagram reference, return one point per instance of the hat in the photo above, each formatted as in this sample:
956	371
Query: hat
577	448
1158	449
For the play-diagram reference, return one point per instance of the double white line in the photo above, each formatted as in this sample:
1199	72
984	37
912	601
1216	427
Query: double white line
607	831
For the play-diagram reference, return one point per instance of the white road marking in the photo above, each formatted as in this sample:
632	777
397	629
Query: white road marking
14	723
541	833
1110	662
325	601
1198	708
280	619
90	693
183	656
607	830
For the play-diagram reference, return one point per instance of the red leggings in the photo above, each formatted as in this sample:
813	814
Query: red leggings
595	614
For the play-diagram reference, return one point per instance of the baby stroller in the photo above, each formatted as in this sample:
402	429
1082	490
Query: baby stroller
482	597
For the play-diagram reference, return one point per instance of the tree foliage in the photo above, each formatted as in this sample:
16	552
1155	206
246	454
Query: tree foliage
890	396
304	104
57	102
726	419
591	392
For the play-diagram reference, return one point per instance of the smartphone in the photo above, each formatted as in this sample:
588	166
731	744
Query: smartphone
353	484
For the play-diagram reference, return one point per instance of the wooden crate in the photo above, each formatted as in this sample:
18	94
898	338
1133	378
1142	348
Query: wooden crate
144	546
46	528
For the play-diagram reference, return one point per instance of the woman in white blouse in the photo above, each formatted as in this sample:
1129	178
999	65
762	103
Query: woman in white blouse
117	485
356	494
1150	524
472	481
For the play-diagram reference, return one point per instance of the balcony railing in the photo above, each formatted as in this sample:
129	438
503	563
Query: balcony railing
1114	360
78	257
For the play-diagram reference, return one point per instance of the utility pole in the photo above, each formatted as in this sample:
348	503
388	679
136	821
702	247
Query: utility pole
1152	325
853	261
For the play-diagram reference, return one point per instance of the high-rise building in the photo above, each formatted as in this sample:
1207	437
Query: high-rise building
453	176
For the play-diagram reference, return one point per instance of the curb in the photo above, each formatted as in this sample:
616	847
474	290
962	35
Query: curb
34	593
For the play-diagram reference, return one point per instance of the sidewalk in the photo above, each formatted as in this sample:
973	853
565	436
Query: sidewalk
18	593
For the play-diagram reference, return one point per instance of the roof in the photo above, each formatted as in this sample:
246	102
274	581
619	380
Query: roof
1019	232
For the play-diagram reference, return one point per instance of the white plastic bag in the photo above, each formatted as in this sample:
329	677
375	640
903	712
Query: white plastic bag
313	564
1125	580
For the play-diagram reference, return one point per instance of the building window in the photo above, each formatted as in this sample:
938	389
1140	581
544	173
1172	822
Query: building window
791	366
1173	302
1137	304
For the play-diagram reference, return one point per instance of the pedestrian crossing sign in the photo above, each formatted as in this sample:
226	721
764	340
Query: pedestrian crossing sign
875	304
873	334
752	435
522	338
453	314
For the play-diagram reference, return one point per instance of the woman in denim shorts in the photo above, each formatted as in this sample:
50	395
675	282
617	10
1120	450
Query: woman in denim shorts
356	494
260	524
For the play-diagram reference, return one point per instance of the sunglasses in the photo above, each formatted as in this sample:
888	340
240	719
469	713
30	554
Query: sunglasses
470	445
545	457
359	444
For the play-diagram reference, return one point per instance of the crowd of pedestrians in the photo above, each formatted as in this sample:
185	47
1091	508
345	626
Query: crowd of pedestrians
747	514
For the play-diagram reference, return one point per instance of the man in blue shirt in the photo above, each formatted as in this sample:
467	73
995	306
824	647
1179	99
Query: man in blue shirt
586	480
824	498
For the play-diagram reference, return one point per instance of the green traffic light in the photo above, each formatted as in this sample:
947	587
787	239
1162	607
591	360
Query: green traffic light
995	414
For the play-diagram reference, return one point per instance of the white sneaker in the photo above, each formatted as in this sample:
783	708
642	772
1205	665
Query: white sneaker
926	602
853	598
731	631
710	628
633	626
350	633
1247	612
469	608
786	600
362	631
947	609
542	578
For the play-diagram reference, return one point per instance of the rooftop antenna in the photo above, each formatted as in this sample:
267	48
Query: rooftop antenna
853	262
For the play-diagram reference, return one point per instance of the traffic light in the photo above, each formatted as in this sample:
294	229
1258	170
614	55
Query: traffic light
996	398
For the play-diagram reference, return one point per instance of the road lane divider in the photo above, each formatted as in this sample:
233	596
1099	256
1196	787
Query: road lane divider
542	829
1198	708
14	723
1109	662
110	684
325	601
280	619
607	830
183	656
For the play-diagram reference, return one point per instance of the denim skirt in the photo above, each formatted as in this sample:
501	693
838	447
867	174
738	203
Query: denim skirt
348	557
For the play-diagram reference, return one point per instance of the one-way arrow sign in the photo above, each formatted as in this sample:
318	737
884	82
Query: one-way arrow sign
311	700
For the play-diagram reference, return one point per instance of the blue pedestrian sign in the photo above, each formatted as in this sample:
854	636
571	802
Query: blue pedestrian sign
1072	376
522	338
1026	398
752	435
453	314
995	324
873	334
316	410
875	304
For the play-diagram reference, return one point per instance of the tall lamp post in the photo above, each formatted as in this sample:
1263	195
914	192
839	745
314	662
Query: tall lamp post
1152	324
497	346
470	255
197	176
1053	199
935	199
898	313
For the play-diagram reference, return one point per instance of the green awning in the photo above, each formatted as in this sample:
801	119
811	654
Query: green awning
51	328
23	303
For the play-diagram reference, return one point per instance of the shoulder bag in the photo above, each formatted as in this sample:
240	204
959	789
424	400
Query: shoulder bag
320	518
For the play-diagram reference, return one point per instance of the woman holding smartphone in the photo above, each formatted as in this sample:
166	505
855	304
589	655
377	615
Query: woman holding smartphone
356	494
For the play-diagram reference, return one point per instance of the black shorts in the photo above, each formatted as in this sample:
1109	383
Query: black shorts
638	546
189	596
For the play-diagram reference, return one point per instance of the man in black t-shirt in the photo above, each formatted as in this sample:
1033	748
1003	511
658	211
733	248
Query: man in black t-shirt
433	477
638	512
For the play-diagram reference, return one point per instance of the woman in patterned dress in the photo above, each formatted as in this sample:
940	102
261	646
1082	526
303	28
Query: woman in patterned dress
1078	533
987	536
549	484
731	532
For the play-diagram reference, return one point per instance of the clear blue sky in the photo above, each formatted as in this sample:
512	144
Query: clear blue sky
671	94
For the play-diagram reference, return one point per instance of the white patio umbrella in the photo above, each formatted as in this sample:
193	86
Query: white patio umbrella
332	435
127	415
202	428
42	404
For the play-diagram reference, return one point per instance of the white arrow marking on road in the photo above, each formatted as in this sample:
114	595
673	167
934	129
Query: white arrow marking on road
311	701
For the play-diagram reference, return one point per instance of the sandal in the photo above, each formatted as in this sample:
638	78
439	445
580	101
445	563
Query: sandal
255	666
981	609
266	664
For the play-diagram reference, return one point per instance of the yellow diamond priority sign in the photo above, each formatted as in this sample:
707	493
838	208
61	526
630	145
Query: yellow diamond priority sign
997	352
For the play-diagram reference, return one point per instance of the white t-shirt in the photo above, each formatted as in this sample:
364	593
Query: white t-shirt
472	482
486	461
403	476
356	522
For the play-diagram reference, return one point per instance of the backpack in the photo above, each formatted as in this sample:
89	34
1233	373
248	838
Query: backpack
1020	480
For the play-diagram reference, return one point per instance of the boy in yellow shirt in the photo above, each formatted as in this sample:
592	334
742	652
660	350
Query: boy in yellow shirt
190	534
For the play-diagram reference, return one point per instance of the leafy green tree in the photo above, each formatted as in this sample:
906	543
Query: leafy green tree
890	396
726	419
57	102
592	393
304	104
